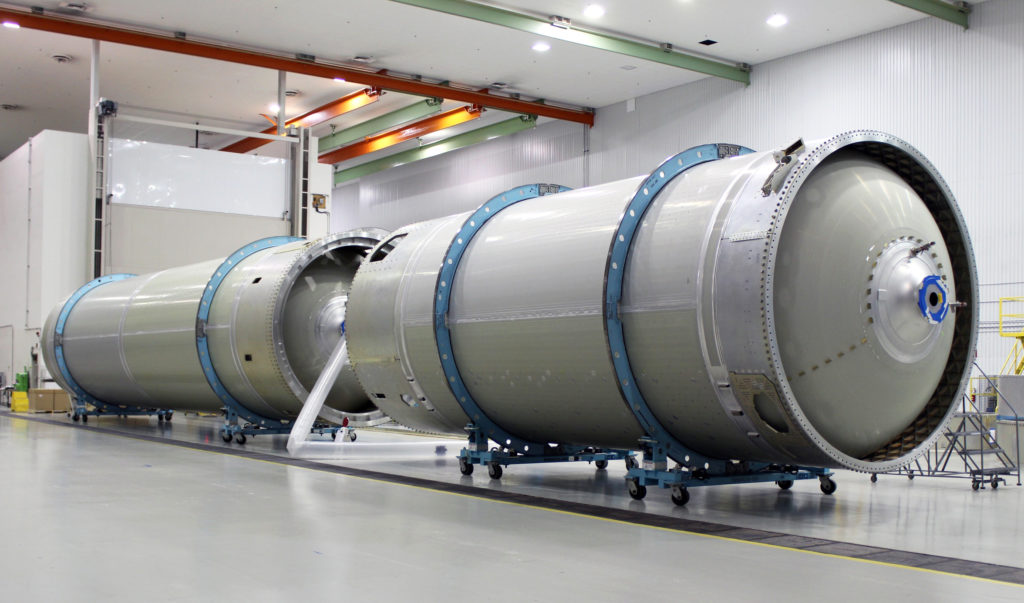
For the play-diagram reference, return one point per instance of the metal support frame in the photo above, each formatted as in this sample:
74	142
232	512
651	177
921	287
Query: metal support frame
502	128
511	448
655	471
167	41
954	12
658	53
375	125
81	398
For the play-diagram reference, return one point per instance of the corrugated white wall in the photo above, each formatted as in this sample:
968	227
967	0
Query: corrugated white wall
954	94
462	180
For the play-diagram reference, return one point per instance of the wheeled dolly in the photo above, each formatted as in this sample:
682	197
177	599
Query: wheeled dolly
81	411
655	471
478	453
240	433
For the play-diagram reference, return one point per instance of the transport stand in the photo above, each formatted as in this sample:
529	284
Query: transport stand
81	399
659	444
478	453
655	471
511	450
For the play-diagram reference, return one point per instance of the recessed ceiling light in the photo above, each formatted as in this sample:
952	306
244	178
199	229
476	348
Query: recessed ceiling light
541	46
292	93
708	42
274	107
777	20
339	79
11	25
627	67
593	11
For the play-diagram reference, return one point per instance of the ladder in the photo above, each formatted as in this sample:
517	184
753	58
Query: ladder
968	437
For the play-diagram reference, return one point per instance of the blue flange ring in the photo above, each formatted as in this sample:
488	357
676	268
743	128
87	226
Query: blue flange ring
58	336
442	299
615	275
206	303
933	299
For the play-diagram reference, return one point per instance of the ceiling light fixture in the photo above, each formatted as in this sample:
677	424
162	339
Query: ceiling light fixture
541	46
339	79
274	107
593	11
11	25
777	20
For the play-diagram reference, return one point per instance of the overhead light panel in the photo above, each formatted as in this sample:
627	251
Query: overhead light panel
593	11
560	22
339	79
777	20
11	25
541	46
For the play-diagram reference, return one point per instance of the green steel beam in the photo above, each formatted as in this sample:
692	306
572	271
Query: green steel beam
503	128
954	13
379	124
540	26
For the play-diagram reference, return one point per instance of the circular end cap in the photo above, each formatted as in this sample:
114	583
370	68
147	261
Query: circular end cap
861	354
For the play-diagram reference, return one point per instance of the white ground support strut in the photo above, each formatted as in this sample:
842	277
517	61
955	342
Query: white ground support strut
300	446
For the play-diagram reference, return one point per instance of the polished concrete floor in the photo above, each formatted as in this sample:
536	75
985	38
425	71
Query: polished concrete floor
89	515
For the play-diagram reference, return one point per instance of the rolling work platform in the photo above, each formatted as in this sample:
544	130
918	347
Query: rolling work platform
971	448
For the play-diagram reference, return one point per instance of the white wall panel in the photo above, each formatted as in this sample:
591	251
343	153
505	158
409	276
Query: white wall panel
163	175
462	180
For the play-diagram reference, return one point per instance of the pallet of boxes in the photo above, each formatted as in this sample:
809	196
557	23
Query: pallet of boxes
41	400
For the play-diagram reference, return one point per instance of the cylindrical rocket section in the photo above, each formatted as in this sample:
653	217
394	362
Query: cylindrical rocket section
249	333
812	306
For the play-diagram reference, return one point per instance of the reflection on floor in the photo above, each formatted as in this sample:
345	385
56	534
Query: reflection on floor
85	501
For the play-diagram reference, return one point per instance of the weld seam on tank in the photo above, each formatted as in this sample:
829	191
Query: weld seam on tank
58	337
120	338
203	315
442	296
615	269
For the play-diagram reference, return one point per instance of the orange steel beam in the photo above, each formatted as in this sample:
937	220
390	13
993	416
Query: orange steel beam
311	118
168	43
401	134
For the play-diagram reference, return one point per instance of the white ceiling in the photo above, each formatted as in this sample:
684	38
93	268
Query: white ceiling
399	37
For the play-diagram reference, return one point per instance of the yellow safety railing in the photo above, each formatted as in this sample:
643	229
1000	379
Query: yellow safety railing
1014	364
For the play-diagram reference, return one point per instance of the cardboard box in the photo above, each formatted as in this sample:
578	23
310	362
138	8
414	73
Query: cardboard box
61	401
40	400
19	401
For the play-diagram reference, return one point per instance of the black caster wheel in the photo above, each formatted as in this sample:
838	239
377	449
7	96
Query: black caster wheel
828	485
351	436
167	417
874	477
784	484
494	470
601	464
631	462
226	436
994	483
910	474
680	496
75	417
334	435
465	467
240	438
975	484
159	418
85	418
636	491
